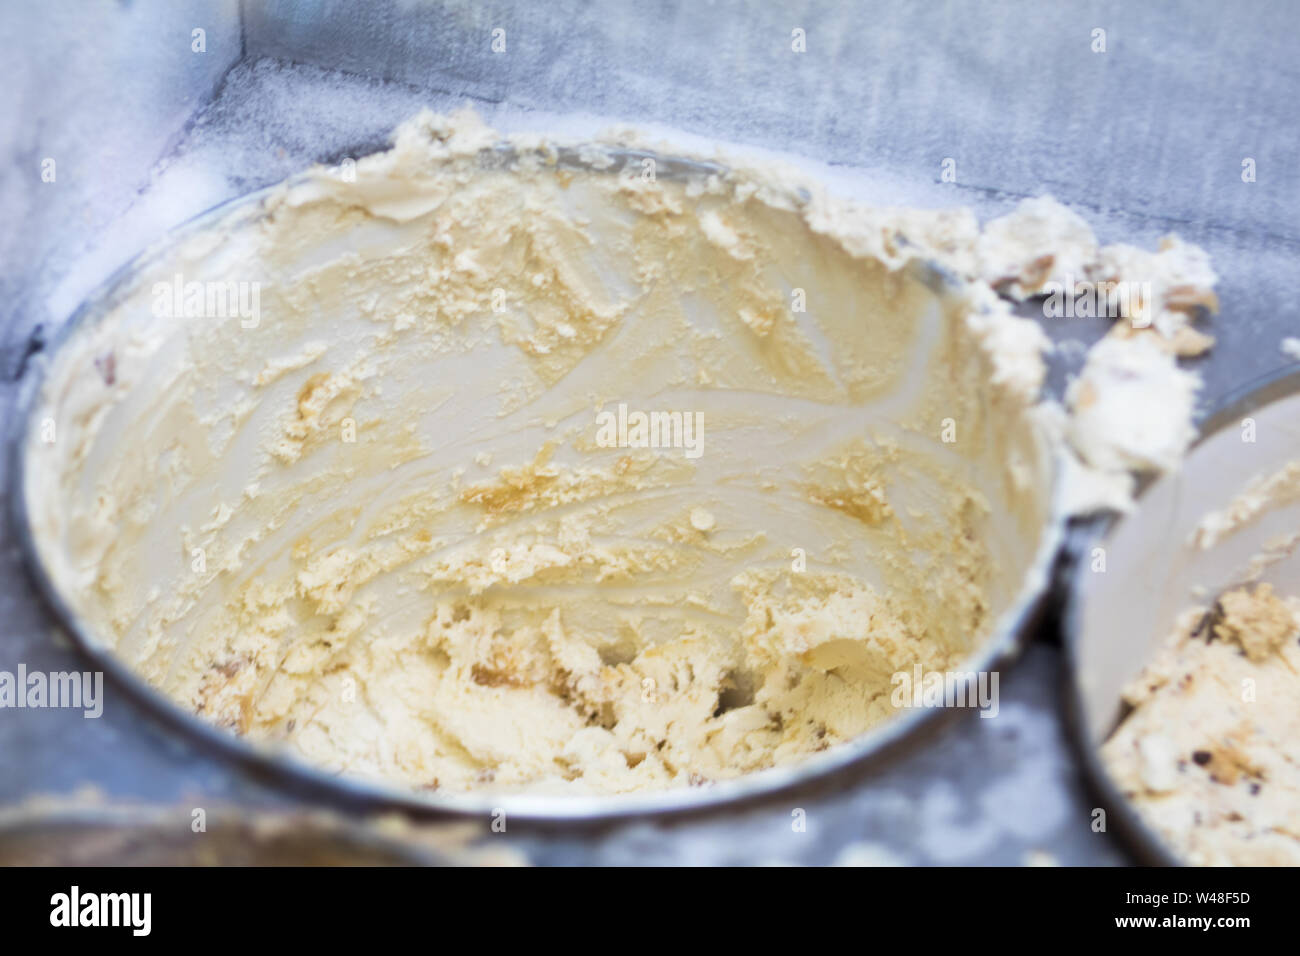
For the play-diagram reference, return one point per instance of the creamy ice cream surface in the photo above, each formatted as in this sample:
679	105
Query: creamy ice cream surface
492	463
1210	754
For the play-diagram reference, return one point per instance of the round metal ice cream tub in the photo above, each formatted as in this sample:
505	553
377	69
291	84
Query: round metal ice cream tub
1209	529
571	482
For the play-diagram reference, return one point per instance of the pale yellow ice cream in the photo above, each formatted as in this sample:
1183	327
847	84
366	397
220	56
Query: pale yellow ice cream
1210	755
551	470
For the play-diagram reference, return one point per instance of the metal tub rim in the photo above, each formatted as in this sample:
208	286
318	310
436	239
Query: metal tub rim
1141	839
